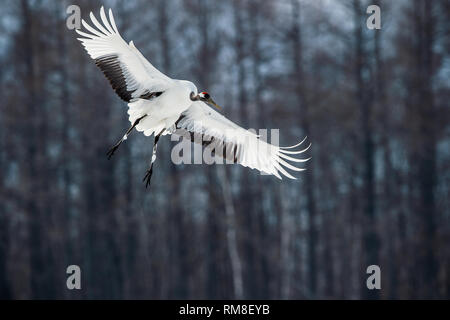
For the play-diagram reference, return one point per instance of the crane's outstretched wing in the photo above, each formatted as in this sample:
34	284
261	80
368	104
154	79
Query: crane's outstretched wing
130	74
235	144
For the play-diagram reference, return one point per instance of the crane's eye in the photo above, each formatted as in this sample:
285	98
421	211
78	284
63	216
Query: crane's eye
205	95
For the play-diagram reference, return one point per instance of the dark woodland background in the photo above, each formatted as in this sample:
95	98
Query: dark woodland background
374	104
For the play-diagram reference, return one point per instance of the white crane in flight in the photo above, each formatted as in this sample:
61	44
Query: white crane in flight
160	105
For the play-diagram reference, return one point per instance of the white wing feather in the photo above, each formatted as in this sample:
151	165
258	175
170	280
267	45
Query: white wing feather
250	150
128	69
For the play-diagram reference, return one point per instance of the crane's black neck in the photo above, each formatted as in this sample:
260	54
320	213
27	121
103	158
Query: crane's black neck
194	97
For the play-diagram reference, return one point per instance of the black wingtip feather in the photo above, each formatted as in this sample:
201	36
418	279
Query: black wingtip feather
110	65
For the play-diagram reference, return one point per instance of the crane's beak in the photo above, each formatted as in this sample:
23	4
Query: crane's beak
212	103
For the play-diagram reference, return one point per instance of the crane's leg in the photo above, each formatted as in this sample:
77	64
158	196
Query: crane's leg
148	174
114	148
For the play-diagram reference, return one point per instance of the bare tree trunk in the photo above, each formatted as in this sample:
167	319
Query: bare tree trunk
259	185
309	183
231	227
5	289
37	264
371	245
247	206
425	155
387	207
285	252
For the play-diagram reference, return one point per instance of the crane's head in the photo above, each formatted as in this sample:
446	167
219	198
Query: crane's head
205	97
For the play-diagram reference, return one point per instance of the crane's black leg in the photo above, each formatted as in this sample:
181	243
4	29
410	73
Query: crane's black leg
148	174
114	148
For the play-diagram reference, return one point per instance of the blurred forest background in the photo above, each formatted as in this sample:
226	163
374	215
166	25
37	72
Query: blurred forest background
374	104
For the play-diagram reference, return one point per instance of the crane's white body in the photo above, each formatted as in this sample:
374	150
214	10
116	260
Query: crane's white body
136	81
164	111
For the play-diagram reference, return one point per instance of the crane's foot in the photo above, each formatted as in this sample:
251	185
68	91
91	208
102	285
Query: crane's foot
148	176
111	151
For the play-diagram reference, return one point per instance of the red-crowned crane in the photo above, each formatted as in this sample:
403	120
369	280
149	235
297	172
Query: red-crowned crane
160	105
